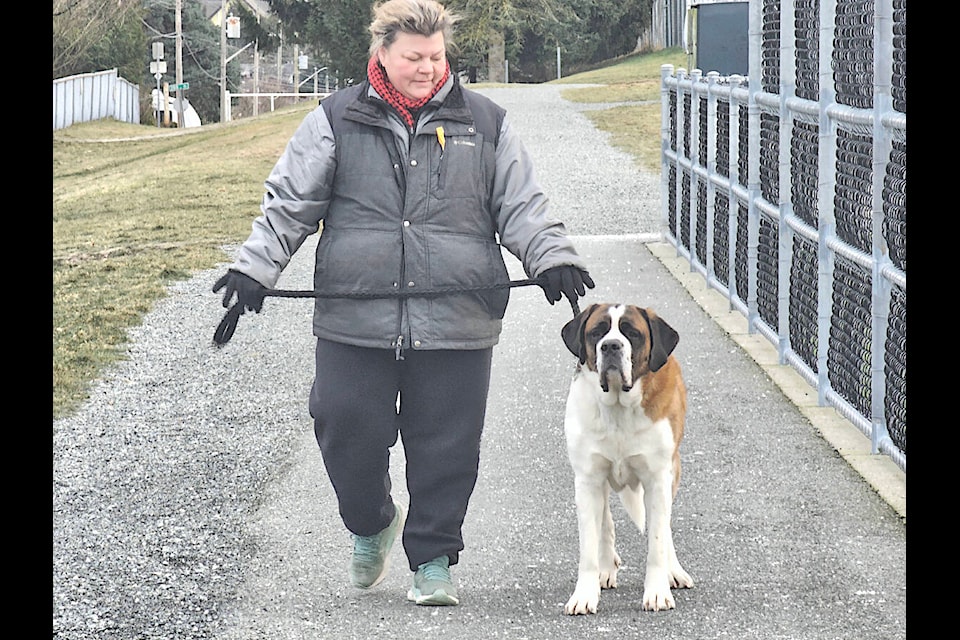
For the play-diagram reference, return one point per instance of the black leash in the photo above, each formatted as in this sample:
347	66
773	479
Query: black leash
228	325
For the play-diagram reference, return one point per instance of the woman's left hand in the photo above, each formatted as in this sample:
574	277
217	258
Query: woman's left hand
566	280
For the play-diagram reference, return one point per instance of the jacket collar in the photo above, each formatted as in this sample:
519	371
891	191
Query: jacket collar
451	105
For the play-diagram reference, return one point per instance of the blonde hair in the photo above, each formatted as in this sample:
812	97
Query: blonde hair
420	17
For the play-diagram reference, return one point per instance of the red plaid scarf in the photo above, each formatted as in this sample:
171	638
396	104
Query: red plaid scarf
404	105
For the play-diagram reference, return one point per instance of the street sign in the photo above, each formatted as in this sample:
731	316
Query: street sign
182	86
159	66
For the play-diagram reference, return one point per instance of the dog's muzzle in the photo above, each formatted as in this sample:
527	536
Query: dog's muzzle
613	365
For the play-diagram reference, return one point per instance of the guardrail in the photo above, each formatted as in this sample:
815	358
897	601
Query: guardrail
787	192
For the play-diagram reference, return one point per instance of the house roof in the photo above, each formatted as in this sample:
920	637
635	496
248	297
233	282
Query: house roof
212	7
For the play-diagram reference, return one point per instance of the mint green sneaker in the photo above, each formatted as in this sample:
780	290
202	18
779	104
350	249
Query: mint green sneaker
371	554
432	584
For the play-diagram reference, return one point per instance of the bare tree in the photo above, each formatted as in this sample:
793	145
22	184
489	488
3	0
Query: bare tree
79	25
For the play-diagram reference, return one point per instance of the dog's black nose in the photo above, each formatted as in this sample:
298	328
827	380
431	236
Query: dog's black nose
610	346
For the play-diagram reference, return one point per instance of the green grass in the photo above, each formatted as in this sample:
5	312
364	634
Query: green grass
629	69
136	208
633	128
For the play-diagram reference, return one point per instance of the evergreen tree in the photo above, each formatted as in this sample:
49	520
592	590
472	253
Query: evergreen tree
335	30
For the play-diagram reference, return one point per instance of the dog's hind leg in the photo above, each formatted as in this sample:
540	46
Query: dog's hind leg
609	560
632	499
679	578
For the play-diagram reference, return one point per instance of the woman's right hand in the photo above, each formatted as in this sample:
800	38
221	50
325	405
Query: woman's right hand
249	292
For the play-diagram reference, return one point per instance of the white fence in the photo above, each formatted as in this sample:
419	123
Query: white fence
271	100
786	190
92	96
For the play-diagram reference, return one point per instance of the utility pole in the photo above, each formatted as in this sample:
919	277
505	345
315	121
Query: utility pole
223	60
256	69
296	69
280	59
180	122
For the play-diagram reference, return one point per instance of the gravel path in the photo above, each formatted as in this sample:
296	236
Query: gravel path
156	475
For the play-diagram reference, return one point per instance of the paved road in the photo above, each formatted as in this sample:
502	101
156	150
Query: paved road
783	536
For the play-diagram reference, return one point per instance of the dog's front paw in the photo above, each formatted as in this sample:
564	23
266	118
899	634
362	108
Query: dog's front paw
658	598
584	600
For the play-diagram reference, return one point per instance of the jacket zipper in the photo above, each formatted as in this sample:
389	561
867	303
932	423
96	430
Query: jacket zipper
403	258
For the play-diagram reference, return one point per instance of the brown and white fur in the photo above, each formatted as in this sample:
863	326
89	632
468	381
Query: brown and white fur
624	422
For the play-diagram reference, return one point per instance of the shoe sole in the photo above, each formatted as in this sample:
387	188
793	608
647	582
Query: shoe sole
386	562
438	598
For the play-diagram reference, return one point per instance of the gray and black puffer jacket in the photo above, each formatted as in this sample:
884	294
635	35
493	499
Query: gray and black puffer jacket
403	212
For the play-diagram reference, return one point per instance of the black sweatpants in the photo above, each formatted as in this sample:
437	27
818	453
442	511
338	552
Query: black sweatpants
442	402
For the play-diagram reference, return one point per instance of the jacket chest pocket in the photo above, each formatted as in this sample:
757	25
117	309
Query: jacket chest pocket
458	172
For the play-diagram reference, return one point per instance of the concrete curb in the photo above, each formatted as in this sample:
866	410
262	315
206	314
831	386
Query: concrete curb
880	472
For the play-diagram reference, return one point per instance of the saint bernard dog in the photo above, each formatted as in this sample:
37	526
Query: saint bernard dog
624	422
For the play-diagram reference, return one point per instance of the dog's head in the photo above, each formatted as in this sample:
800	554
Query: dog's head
620	342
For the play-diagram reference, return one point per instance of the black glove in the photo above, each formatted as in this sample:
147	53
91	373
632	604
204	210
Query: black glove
567	280
249	292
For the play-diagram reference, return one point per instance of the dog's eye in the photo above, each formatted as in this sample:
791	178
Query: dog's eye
630	331
599	331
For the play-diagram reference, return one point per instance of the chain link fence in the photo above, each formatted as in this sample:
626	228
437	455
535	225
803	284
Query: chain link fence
786	190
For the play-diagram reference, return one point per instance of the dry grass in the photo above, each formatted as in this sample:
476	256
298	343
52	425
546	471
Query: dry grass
136	208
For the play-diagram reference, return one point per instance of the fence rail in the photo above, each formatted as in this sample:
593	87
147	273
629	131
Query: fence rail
786	190
92	96
284	98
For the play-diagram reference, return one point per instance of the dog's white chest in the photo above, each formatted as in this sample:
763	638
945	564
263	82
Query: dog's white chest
612	436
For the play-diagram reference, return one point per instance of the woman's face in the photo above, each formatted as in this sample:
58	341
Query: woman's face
415	63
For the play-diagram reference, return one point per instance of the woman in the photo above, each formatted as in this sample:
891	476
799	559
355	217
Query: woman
414	179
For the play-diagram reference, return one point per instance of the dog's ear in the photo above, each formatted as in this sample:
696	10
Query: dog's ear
572	334
663	339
